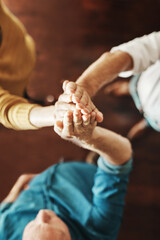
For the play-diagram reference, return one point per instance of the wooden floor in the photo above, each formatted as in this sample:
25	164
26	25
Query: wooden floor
69	35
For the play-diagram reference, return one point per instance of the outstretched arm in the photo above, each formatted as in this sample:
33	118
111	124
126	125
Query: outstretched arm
104	70
19	114
136	55
82	130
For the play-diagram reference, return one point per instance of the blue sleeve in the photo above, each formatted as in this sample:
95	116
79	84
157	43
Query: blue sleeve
115	169
110	186
4	206
109	190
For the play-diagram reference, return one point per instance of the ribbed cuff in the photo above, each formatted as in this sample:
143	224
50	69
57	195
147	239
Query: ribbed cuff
115	169
19	116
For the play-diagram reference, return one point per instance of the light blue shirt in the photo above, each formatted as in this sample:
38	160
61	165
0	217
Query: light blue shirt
87	198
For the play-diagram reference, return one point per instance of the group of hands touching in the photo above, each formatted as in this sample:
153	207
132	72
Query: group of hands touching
75	118
75	115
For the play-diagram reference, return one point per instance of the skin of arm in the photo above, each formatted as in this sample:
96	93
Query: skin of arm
83	131
110	145
42	116
21	184
104	70
19	114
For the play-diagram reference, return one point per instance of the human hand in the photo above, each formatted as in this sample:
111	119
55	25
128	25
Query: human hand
21	184
62	106
76	127
76	94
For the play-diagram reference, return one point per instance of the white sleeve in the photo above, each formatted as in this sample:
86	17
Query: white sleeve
145	51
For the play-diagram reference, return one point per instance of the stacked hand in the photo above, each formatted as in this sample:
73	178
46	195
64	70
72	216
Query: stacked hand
75	119
81	98
76	115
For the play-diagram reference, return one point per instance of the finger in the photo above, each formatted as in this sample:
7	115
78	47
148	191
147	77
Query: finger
83	109
65	84
77	118
99	115
65	106
58	127
88	108
78	95
70	87
86	120
68	124
65	98
93	117
84	100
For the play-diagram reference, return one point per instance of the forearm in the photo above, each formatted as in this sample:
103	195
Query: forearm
17	113
111	146
144	51
42	116
104	70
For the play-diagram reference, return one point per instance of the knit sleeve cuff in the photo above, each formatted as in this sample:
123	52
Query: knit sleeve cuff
19	116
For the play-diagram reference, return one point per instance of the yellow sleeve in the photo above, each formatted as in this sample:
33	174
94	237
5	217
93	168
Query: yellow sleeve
14	111
17	53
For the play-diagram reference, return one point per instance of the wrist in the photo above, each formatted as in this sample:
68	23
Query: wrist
90	143
113	147
104	70
42	116
85	83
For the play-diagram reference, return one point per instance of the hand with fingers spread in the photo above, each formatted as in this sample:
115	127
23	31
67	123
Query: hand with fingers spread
76	94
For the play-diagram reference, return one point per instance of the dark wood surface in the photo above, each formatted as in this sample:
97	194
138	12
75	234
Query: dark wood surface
69	35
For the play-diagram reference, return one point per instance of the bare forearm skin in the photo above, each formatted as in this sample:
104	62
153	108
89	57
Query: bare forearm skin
104	70
113	147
